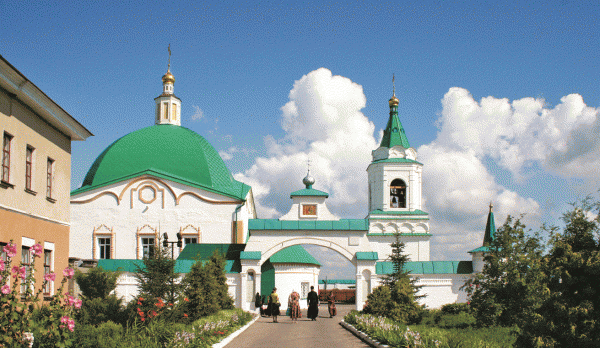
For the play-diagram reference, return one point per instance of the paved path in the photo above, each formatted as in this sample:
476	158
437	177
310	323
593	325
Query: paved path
324	332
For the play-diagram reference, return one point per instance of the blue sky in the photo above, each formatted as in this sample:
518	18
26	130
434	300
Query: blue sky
469	76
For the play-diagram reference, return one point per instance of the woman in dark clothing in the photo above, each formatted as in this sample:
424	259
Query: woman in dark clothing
313	304
258	303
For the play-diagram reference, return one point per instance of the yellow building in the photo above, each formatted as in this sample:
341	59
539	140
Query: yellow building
35	176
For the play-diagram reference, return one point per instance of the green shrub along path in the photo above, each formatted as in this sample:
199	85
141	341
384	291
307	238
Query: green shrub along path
325	332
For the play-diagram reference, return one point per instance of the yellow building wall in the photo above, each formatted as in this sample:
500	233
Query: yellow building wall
14	226
27	128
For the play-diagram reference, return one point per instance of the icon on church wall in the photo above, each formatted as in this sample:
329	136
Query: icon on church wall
309	209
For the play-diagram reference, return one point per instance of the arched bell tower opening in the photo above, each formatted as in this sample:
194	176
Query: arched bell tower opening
398	194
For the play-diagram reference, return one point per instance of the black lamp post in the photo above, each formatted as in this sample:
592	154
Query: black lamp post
166	243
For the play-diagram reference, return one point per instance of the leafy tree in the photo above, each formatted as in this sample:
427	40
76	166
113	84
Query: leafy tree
397	297
570	315
511	286
205	287
157	279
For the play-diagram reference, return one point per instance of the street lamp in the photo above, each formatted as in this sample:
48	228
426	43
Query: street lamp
166	243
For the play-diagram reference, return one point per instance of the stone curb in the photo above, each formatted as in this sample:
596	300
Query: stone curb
233	335
363	336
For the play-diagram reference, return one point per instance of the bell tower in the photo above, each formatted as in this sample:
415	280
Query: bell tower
168	106
395	176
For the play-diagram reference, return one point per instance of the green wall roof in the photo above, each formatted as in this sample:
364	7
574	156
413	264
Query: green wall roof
294	254
275	224
165	151
428	267
309	192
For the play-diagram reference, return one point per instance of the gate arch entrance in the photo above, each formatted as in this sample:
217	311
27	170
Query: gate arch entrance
352	243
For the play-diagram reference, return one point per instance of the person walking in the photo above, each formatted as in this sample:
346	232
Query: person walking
331	304
313	304
294	306
258	303
274	304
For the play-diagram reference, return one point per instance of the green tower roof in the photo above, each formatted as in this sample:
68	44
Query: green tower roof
394	132
166	151
490	231
294	254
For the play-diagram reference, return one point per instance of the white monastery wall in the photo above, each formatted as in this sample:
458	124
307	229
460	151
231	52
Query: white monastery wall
295	212
160	205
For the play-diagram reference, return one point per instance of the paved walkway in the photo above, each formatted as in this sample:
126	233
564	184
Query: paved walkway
324	332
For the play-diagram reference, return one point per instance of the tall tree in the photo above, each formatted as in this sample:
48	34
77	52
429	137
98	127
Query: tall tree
206	287
570	315
157	279
397	297
511	285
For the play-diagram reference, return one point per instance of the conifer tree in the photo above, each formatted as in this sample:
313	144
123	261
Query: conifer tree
157	279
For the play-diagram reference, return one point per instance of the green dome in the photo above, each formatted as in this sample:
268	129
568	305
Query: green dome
166	151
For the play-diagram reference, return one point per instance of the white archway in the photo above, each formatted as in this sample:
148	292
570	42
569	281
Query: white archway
306	240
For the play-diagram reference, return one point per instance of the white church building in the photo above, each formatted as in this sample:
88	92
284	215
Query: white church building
166	180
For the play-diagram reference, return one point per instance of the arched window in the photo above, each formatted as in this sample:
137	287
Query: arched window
398	194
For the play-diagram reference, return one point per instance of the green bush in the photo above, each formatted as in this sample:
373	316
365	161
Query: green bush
96	283
105	335
96	311
455	308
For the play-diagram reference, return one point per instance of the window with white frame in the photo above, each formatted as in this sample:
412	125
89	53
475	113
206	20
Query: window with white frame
28	168
6	157
104	244
49	177
47	270
26	262
250	286
304	289
147	247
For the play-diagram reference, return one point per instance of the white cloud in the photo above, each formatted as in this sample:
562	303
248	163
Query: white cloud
323	122
198	113
563	140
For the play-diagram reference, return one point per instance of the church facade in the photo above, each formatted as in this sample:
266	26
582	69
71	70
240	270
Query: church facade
166	182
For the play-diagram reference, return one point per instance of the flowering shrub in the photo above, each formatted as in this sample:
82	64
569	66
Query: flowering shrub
17	309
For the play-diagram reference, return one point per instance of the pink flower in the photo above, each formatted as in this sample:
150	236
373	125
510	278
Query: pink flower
10	250
70	300
19	272
49	277
71	324
5	289
37	250
64	319
68	272
1	265
77	303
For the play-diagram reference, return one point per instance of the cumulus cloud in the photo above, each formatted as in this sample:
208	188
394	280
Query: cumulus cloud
323	122
563	140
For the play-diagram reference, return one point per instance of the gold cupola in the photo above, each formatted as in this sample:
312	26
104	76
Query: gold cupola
168	77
